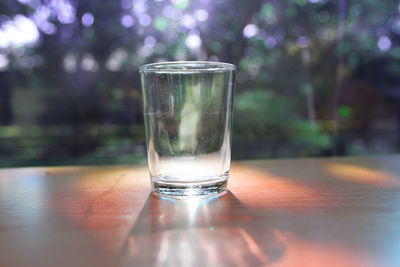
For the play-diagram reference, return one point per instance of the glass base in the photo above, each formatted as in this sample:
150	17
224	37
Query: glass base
178	189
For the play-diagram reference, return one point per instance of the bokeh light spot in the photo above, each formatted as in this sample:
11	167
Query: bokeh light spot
3	62
384	43
270	42
48	28
126	4
127	21
188	21
89	63
396	26
4	42
171	12
345	111
87	19
146	51
18	32
116	59
69	63
180	4
24	1
150	41
250	30
139	7
302	42
66	12
193	41
145	20
160	23
201	15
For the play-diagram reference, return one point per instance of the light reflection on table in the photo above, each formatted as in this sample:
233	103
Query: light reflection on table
223	232
313	212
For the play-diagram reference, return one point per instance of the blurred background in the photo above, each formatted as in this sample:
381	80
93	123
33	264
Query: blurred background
316	77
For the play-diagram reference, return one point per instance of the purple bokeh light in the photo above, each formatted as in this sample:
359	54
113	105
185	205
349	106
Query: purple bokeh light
139	7
87	19
145	20
171	12
65	11
126	4
303	41
193	41
127	21
188	21
270	42
18	32
250	30
201	15
384	43
150	41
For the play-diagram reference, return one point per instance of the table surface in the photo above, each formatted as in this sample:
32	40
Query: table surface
302	212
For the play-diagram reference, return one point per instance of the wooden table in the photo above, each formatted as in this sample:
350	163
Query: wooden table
306	212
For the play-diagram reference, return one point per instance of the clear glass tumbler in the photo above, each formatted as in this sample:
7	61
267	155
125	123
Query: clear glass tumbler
188	118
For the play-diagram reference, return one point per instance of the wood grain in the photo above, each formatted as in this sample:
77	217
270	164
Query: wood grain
305	212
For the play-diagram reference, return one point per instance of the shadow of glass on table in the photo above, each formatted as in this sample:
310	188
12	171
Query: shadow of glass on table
199	232
224	232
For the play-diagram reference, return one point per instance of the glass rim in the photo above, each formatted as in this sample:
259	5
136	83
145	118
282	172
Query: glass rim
186	67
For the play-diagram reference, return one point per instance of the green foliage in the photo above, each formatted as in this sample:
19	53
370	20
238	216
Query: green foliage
309	136
262	113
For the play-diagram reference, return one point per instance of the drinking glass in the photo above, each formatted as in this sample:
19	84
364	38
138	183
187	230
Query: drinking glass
188	120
